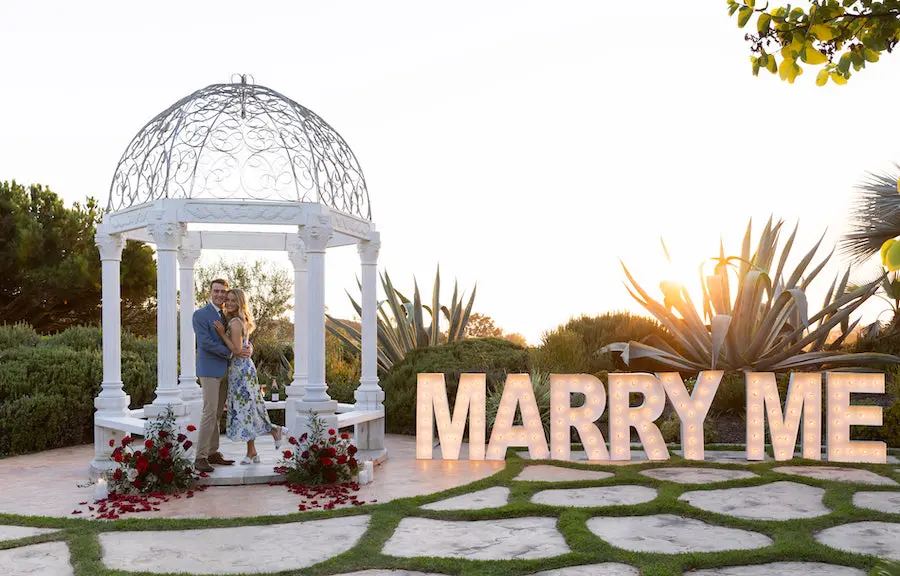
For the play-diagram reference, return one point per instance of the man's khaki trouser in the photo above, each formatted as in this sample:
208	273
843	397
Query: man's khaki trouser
214	390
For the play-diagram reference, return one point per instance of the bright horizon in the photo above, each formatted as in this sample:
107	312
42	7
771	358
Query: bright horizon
522	146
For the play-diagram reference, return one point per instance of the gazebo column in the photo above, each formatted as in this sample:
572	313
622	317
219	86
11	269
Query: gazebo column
112	400
167	237
369	396
316	400
296	391
188	388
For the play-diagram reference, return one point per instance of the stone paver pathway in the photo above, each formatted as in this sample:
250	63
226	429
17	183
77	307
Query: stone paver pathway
490	498
781	569
508	538
47	558
388	573
697	475
725	456
637	455
882	501
250	549
837	474
590	497
775	501
670	534
16	532
604	569
543	473
881	539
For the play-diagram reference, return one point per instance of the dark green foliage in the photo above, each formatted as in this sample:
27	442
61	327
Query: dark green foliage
670	428
574	348
47	391
50	264
18	334
492	356
275	360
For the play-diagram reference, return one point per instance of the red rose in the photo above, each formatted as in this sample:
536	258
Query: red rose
148	444
341	459
181	438
163	434
353	463
169	477
292	441
142	465
303	437
191	428
331	452
117	475
137	453
314	448
188	444
305	454
331	432
164	453
117	457
326	461
351	450
137	483
112	442
330	476
288	453
345	436
127	440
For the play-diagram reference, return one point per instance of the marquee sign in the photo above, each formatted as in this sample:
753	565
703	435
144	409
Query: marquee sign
802	414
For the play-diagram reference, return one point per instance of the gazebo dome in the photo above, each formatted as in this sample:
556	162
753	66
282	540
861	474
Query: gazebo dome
239	141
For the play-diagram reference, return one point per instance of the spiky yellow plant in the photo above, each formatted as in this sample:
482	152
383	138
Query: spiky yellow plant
764	326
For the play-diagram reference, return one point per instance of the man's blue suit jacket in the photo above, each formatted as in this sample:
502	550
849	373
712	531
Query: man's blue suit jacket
212	353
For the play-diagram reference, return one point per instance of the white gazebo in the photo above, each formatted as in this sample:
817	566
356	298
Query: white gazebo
207	173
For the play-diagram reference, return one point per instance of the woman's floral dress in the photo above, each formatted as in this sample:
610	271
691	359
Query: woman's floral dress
247	414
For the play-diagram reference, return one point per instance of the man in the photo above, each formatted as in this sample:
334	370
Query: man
213	357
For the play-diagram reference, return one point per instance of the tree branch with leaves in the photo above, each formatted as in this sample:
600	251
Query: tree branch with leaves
840	36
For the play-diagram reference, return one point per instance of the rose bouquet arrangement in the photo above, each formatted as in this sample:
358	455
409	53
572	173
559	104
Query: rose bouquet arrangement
158	465
319	457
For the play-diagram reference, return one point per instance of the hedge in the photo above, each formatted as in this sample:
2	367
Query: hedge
48	385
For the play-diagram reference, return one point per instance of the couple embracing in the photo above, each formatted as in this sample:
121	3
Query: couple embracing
228	378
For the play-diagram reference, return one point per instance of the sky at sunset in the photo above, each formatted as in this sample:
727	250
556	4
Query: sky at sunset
525	146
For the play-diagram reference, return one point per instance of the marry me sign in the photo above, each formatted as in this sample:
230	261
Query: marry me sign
801	414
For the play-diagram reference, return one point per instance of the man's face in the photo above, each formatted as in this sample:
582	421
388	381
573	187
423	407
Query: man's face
217	294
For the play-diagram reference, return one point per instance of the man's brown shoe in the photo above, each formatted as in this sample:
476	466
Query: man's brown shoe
202	465
217	458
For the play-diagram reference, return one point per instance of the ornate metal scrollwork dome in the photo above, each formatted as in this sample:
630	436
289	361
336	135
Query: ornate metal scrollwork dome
240	141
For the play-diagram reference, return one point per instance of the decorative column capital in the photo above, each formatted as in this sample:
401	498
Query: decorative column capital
296	250
187	256
110	246
166	235
368	252
316	235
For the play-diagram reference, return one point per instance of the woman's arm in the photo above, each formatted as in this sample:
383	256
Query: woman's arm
235	342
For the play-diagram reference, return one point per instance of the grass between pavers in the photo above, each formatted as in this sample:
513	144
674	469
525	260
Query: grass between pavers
793	539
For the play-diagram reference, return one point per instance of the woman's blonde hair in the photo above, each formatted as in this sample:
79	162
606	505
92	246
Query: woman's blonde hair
243	311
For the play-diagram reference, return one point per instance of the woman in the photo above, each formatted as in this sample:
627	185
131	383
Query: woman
247	415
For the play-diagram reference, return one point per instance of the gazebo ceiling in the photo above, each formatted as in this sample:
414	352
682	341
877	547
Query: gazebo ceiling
239	141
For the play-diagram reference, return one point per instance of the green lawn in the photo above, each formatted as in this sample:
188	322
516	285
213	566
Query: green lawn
793	539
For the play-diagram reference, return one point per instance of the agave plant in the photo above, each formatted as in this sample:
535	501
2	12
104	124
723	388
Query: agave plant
766	326
401	327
